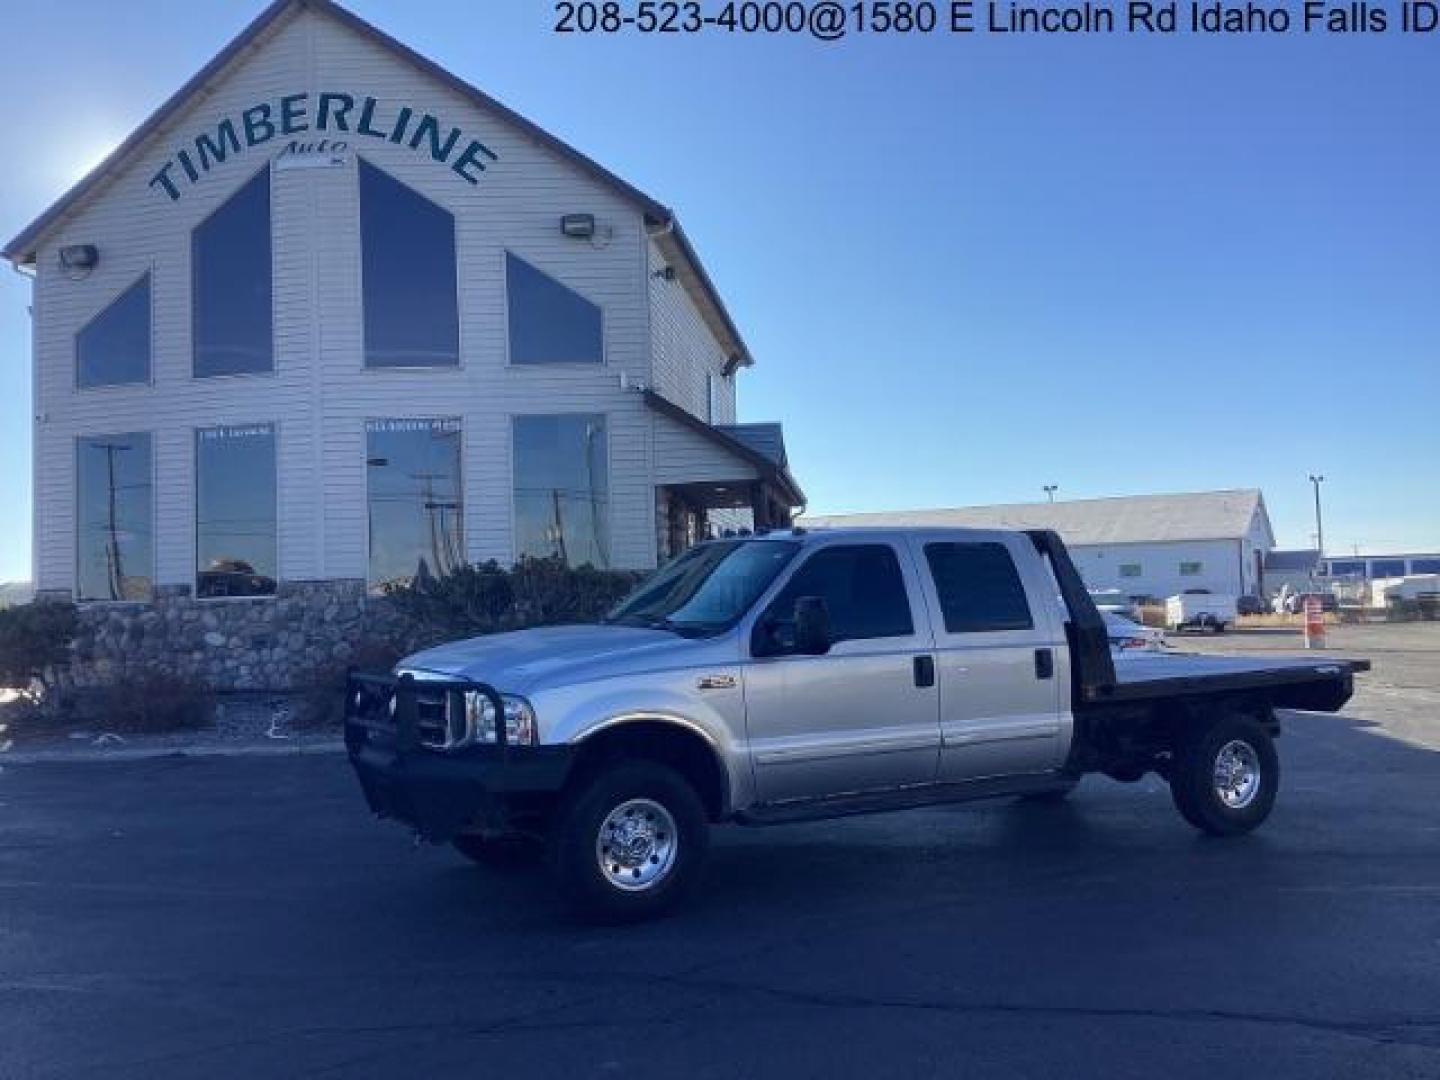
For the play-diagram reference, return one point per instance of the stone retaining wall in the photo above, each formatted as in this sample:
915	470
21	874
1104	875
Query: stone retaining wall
265	643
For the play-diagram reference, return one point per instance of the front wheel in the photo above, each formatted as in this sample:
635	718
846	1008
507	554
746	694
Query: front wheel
1225	777
629	842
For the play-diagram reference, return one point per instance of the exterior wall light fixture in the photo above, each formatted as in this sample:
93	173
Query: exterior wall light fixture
578	226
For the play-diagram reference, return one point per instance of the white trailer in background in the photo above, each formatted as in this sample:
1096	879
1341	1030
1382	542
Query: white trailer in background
1200	611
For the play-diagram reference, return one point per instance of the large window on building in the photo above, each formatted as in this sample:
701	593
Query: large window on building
415	509
231	282
562	489
235	511
550	323
114	347
1387	568
114	518
408	265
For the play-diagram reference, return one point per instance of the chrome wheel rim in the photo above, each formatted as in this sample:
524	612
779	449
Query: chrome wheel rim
1237	774
637	845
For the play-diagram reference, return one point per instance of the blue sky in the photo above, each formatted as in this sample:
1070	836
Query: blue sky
967	267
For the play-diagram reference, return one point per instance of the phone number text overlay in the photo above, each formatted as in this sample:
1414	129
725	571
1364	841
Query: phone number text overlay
832	20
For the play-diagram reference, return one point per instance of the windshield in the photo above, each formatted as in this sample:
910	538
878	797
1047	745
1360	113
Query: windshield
707	589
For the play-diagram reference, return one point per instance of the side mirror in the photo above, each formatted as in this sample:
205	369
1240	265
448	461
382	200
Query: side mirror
812	626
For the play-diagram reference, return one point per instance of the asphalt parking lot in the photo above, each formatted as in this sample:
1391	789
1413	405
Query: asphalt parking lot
246	918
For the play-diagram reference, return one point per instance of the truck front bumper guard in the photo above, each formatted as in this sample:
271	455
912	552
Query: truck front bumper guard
390	735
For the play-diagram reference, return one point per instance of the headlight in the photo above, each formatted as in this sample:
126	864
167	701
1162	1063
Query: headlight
480	720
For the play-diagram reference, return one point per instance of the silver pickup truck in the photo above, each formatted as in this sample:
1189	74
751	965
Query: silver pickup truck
794	676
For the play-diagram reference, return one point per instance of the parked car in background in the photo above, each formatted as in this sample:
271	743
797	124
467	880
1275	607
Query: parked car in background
1128	636
1114	600
1200	609
1251	605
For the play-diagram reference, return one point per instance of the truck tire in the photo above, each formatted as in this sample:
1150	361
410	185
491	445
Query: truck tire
499	852
1225	776
629	841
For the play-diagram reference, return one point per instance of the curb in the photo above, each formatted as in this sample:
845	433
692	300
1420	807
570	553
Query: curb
147	753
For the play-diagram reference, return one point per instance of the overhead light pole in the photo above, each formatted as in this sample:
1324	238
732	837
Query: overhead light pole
1050	490
1316	480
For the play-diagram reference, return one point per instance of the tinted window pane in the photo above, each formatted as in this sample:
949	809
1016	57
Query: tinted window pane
408	252
1425	566
114	518
1347	566
114	347
230	267
235	511
414	499
978	587
862	587
1387	568
549	323
562	489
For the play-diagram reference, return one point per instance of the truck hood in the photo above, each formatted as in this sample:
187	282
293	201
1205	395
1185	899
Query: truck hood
519	661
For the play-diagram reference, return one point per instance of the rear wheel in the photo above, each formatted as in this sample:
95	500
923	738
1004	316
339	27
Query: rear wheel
629	842
1225	777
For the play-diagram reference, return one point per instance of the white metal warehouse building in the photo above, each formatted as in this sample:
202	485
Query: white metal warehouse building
1143	545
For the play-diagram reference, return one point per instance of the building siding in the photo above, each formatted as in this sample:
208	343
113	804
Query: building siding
685	349
321	394
1160	563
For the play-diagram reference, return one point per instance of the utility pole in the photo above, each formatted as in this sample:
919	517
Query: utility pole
1316	480
112	550
1050	490
558	533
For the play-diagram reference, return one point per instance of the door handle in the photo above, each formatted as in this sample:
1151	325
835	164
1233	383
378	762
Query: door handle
924	671
1044	664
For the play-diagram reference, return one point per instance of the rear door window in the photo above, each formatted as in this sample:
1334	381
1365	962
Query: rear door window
862	586
979	588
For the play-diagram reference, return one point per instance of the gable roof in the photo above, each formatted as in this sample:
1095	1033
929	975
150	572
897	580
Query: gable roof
21	250
1129	519
765	439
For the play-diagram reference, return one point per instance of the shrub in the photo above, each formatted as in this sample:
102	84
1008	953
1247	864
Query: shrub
486	598
549	593
320	696
141	704
35	645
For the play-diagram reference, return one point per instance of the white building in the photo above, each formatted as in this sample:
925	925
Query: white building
1143	545
332	315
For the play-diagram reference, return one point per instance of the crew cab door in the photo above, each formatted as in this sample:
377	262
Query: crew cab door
1000	654
865	715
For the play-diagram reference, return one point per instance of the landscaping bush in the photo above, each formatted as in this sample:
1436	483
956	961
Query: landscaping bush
320	696
145	703
487	599
35	645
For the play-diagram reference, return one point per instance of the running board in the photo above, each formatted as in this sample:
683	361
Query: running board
906	798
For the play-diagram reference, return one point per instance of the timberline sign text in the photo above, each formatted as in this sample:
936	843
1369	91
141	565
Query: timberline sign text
329	112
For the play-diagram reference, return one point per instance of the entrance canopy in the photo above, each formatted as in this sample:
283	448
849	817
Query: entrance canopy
708	467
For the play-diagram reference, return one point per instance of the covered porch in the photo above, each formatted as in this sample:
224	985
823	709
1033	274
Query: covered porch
712	479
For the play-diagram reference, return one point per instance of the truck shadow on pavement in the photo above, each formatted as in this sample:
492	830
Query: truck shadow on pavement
1346	785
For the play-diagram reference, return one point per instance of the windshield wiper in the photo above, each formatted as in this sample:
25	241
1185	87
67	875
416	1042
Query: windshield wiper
659	622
